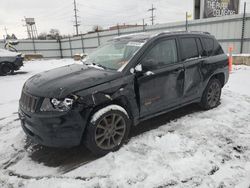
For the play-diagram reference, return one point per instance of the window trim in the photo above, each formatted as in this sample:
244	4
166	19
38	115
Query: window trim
202	47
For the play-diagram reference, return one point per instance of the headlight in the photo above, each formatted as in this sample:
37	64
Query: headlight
57	105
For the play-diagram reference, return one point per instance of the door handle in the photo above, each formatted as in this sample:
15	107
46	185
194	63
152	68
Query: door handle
178	70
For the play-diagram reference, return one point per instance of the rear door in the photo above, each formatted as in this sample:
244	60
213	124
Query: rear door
192	57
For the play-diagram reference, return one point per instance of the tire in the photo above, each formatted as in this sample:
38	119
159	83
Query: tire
107	130
211	95
6	69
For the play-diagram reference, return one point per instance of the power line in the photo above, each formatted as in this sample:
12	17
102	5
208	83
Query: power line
76	19
152	14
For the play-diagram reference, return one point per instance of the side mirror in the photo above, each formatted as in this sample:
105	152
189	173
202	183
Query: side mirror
137	69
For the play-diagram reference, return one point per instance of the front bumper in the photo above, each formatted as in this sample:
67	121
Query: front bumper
18	63
52	129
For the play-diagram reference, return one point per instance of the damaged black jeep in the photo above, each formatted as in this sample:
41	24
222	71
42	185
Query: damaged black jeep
129	79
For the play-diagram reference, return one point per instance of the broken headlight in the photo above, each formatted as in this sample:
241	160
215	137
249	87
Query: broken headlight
61	105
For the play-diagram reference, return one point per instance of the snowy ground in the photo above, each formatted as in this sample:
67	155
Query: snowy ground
185	148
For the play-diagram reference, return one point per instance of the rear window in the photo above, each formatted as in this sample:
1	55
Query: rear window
189	48
217	48
212	47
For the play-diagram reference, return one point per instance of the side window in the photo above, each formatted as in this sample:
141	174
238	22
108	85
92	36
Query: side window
189	48
163	53
209	46
200	48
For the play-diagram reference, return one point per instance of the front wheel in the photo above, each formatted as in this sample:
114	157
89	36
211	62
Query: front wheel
211	95
6	69
107	130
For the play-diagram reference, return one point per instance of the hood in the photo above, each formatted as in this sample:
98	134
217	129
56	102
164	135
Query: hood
63	81
6	53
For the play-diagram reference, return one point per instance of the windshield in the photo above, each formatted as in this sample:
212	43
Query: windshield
114	55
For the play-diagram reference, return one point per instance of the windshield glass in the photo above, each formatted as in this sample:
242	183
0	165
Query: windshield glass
114	55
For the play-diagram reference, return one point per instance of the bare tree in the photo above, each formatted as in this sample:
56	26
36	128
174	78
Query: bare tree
42	36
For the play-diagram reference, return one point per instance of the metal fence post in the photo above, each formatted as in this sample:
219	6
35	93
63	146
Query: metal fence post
98	38
82	43
60	47
34	45
143	25
70	46
118	30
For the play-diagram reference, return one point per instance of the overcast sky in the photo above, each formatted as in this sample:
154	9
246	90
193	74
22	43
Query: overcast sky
59	13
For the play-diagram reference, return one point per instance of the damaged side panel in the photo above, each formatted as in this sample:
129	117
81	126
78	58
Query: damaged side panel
119	91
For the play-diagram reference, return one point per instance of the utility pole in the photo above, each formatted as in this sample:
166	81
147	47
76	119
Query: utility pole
243	28
152	14
76	19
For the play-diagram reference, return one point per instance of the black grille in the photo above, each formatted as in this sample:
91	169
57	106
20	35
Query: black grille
28	102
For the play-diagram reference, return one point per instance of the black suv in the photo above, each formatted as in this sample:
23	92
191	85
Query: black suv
125	81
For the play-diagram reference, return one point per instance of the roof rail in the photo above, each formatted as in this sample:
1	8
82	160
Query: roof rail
183	31
204	32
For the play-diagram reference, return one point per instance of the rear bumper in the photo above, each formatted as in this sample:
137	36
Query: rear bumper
53	130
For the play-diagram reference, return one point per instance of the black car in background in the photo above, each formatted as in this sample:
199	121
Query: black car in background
125	81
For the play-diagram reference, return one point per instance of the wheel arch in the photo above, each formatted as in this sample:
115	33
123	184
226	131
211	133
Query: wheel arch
121	101
220	76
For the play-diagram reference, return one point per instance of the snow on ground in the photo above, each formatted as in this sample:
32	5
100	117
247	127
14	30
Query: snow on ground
197	149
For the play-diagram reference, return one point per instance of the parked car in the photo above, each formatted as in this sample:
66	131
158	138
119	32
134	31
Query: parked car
10	61
125	81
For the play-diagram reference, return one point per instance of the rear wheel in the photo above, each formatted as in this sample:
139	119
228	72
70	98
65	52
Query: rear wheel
6	69
211	95
107	132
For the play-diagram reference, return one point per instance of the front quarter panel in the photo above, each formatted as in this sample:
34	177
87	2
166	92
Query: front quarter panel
120	90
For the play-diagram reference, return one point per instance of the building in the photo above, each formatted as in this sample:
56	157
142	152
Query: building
215	8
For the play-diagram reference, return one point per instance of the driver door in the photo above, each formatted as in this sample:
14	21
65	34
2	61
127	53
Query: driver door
161	81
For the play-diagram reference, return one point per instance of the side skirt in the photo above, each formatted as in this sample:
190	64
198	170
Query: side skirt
168	110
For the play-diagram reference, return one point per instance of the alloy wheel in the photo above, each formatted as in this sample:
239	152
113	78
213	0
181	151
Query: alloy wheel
110	131
6	69
213	95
